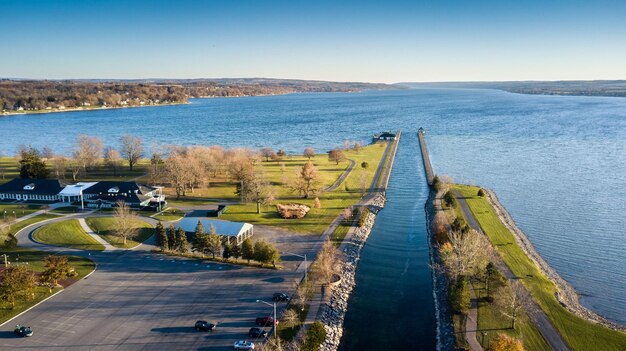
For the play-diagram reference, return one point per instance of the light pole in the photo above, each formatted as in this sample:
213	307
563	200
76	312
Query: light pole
275	320
301	256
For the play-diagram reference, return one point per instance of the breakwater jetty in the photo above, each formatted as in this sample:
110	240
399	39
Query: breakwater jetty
333	310
428	168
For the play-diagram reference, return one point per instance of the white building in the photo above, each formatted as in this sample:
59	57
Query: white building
236	232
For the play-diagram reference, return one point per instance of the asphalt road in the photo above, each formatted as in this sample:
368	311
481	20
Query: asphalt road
137	300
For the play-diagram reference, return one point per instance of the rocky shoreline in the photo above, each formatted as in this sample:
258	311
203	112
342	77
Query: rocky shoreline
566	295
334	310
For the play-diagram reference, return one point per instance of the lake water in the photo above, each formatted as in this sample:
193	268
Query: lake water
557	163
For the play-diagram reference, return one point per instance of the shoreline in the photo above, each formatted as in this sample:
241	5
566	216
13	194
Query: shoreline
566	295
82	109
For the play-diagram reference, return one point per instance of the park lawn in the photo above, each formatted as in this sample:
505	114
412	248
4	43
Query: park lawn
23	224
578	333
7	210
494	323
9	169
67	233
34	258
332	202
169	215
104	227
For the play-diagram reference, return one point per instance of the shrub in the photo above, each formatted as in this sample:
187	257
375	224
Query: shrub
364	214
315	336
503	342
364	164
317	203
481	193
460	296
459	225
436	183
449	199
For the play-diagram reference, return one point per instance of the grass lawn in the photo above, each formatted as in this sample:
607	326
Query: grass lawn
171	214
333	202
19	209
579	333
66	209
83	266
22	224
9	169
67	233
104	227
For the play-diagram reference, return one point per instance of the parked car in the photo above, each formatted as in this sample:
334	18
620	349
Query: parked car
23	331
265	321
257	333
243	345
280	297
204	326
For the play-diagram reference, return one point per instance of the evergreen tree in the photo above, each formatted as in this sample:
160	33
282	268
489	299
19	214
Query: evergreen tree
214	243
161	237
200	239
235	251
31	164
171	238
227	252
182	245
247	250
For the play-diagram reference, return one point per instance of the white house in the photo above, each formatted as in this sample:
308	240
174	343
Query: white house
236	232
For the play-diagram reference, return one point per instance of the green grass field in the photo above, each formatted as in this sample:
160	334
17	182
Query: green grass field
171	214
579	333
67	233
333	202
104	227
14	228
34	258
15	211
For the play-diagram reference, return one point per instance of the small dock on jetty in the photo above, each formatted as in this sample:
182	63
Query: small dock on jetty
428	168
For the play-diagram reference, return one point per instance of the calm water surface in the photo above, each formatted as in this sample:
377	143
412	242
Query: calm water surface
557	163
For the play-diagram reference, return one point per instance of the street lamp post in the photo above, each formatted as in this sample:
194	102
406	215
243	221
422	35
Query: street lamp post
275	320
301	256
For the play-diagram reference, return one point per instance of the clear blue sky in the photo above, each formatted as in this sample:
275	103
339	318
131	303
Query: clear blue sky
382	41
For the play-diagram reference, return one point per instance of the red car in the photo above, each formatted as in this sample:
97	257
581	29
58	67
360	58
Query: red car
265	321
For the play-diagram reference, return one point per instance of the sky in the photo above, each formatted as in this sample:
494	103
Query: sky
369	41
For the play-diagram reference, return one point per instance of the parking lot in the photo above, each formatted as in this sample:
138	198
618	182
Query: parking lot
137	300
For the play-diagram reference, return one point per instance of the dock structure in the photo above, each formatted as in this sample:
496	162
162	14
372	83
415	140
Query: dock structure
383	173
428	168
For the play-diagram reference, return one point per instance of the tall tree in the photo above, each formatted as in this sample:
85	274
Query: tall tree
214	242
306	181
511	300
171	238
200	239
182	245
161	236
132	149
268	153
17	283
247	250
57	268
469	253
87	151
31	164
309	152
124	221
113	159
327	262
336	155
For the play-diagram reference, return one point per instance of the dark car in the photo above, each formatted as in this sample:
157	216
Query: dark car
280	297
23	331
204	326
257	333
265	321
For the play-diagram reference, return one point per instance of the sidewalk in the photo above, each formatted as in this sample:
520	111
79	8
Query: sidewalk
98	238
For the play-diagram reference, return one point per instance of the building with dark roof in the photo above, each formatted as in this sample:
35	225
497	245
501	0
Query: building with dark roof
107	193
22	189
384	136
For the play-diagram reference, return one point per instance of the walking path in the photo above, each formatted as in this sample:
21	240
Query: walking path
50	208
343	176
536	314
98	238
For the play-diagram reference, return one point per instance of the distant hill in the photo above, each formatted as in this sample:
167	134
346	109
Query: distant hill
18	95
613	88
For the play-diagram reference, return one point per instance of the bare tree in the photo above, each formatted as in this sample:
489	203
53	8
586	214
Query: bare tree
176	172
357	147
268	153
112	159
306	181
47	153
363	184
290	316
60	165
511	301
327	262
469	253
336	155
132	149
87	151
124	221
309	152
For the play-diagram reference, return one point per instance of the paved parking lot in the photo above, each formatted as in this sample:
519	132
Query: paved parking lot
138	300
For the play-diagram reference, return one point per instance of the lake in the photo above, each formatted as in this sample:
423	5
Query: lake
557	163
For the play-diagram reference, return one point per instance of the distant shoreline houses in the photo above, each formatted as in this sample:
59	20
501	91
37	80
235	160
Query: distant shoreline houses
104	194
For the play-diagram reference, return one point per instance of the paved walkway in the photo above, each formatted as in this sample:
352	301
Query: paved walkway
343	177
50	208
98	238
536	314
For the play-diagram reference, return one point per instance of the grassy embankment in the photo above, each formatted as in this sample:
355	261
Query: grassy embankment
317	220
34	258
578	333
169	215
489	319
67	233
105	228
